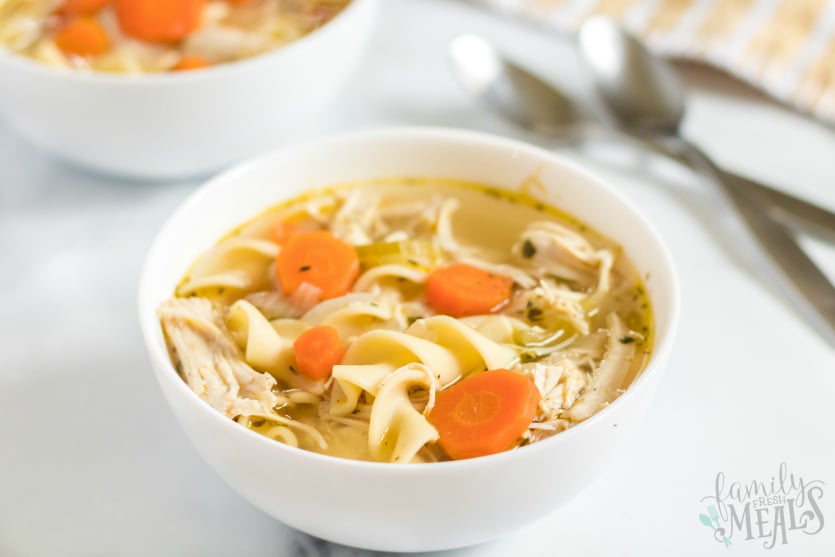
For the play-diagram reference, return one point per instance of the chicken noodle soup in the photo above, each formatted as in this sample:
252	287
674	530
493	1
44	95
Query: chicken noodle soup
139	36
410	320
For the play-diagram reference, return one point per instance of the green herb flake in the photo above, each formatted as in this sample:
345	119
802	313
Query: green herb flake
527	357
528	249
627	340
534	314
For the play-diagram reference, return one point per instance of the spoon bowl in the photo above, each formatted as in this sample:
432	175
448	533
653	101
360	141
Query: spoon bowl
640	92
508	89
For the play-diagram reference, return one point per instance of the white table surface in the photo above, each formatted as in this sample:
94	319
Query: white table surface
92	463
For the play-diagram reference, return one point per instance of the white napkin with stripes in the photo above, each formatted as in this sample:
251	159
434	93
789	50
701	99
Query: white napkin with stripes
783	47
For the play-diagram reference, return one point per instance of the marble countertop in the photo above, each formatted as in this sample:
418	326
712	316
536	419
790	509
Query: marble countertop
92	462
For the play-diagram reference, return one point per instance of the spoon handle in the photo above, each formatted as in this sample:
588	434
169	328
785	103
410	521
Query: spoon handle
814	218
808	287
783	206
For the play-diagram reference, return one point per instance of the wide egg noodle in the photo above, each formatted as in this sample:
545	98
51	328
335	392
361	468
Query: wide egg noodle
397	431
372	279
497	327
472	350
264	348
235	263
374	355
355	314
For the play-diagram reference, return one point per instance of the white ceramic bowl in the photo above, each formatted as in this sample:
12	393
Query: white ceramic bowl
411	507
185	123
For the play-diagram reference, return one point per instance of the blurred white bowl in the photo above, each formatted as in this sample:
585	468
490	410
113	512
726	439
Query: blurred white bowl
174	125
412	507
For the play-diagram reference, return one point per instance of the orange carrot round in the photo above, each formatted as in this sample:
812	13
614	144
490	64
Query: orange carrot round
190	63
485	413
159	21
460	290
319	258
317	350
85	7
83	36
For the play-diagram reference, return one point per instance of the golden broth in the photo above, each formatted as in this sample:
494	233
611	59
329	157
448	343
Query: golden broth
487	223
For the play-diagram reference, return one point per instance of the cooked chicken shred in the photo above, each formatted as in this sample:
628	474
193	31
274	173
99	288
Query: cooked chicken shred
210	362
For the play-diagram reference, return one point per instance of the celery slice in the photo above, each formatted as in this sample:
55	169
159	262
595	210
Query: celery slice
421	254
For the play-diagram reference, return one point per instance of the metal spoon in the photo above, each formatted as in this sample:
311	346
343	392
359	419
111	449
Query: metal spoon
646	98
531	103
510	90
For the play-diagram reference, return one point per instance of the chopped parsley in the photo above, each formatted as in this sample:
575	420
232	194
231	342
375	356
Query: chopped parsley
627	340
534	314
412	318
528	249
527	357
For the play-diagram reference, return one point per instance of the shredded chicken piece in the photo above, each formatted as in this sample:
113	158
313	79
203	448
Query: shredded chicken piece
607	378
548	304
559	251
560	383
357	220
210	362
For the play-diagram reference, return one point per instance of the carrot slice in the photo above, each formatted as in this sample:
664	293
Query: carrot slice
317	350
484	413
460	290
190	63
83	36
84	7
319	258
159	21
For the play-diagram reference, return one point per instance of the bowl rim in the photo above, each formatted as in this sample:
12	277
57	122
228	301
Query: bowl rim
296	47
149	324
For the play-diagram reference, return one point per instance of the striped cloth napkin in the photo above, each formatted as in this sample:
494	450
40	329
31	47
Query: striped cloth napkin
784	47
